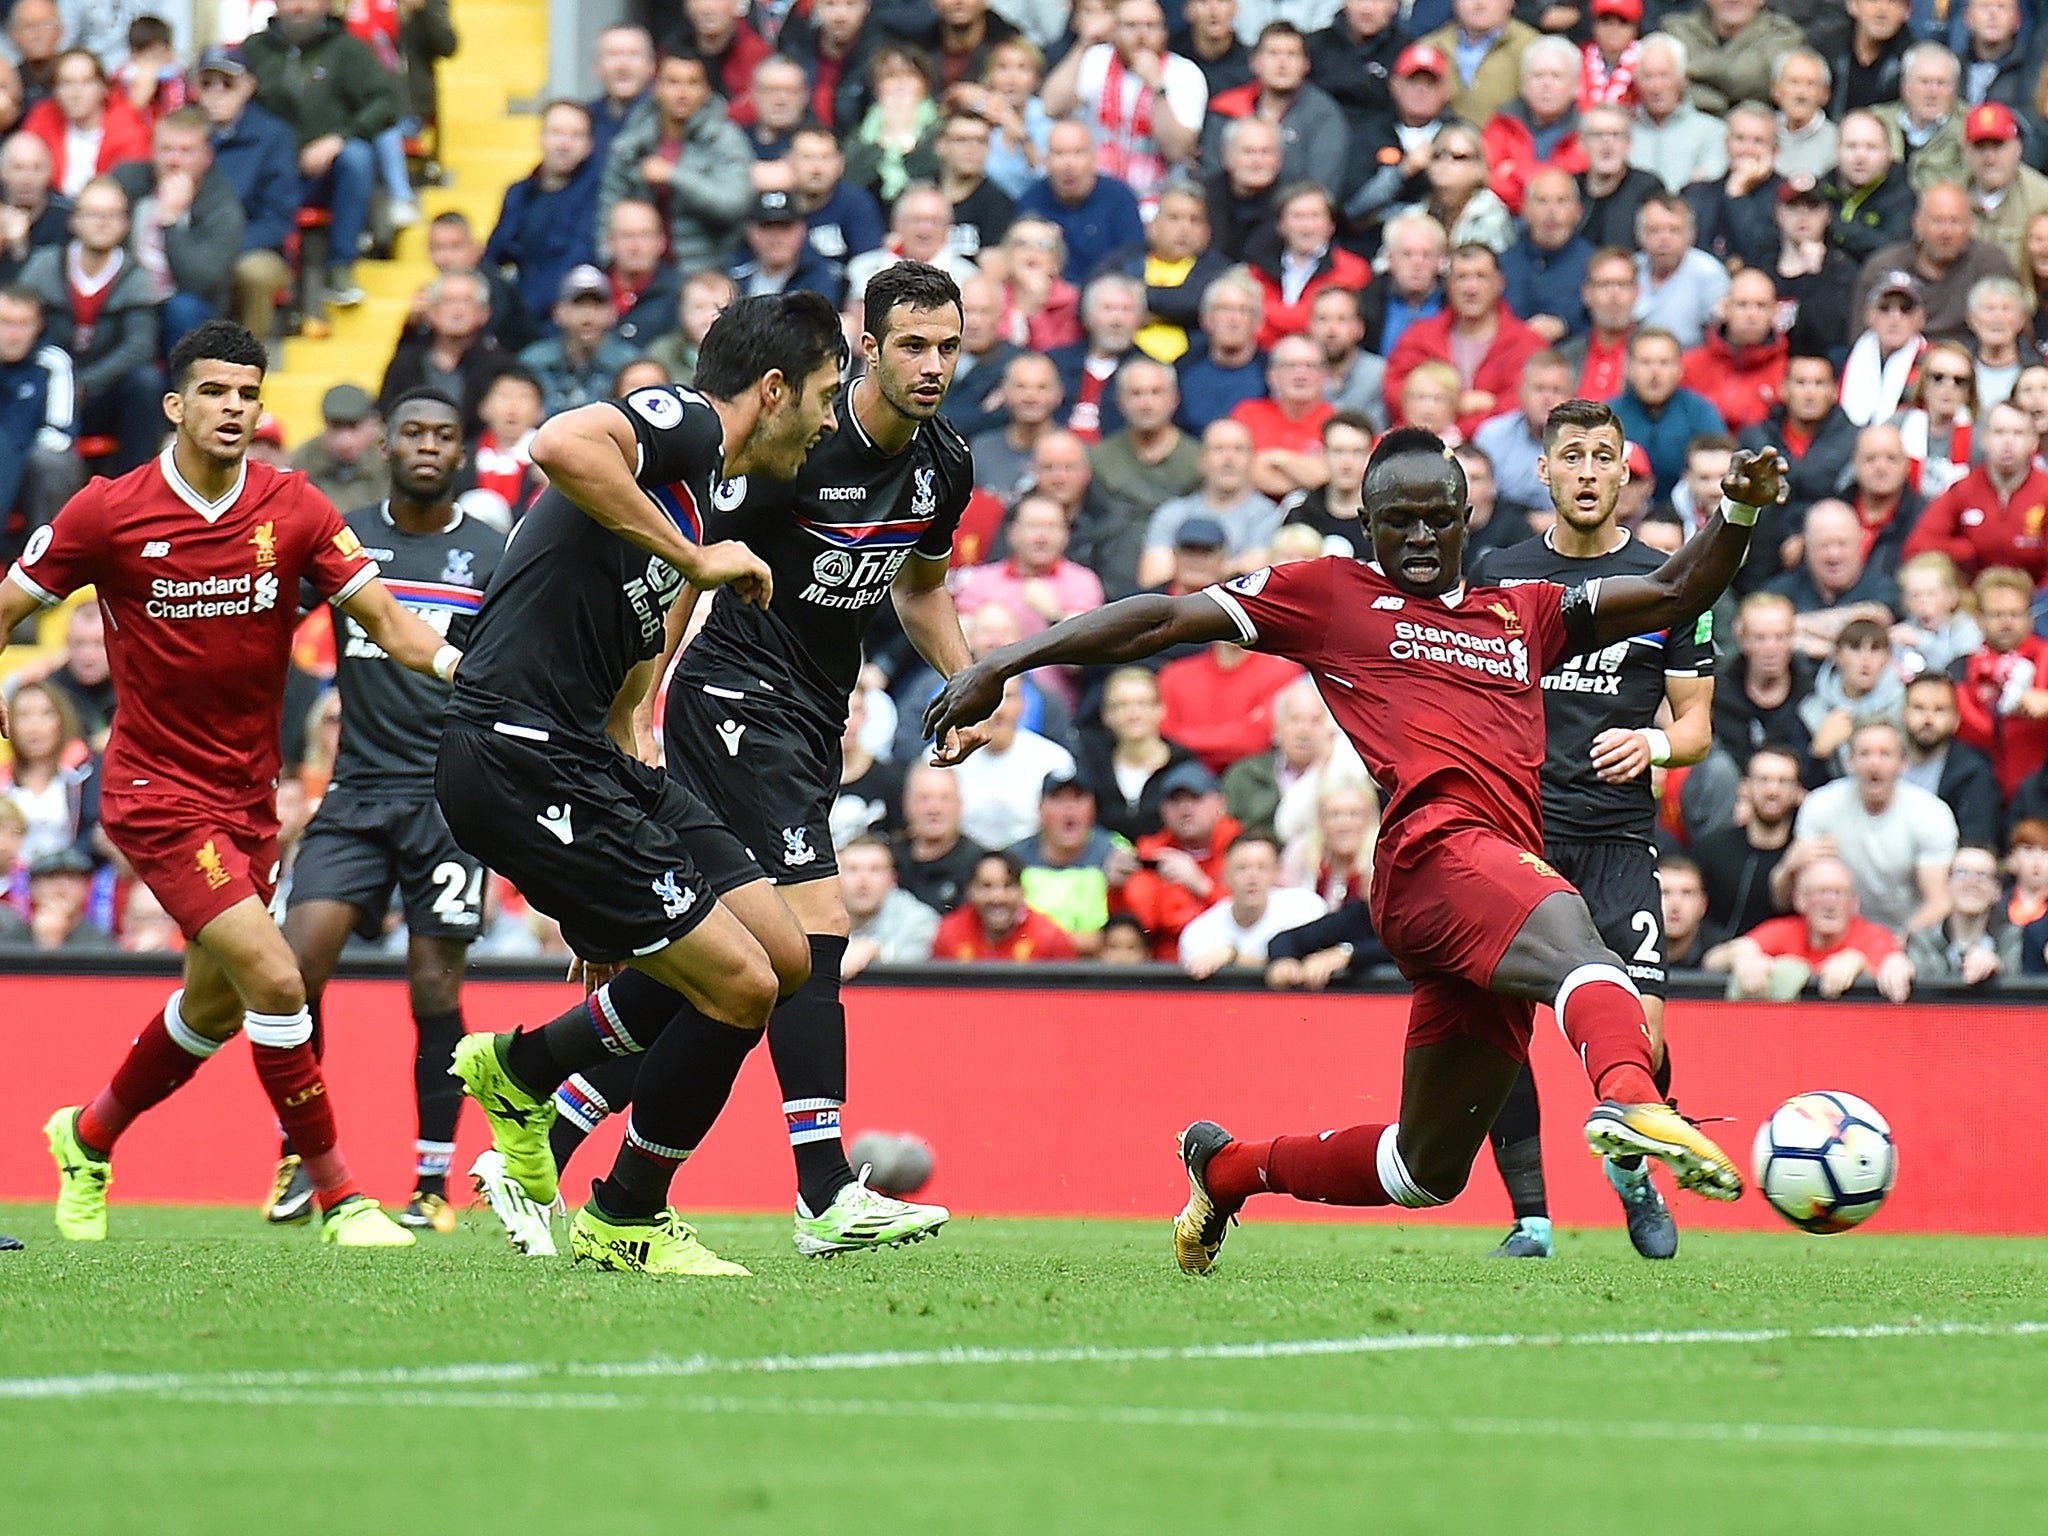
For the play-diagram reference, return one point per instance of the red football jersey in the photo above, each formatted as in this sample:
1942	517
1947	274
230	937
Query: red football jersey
1440	695
201	599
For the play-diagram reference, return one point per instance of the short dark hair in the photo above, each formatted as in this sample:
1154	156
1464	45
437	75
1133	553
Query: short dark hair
1355	420
1710	442
1587	415
1246	839
1116	920
914	285
454	218
148	32
1791	754
1280	29
1663	516
216	341
686	56
1863	635
1932	679
558	103
796	333
1677	864
1406	442
426	394
1009	861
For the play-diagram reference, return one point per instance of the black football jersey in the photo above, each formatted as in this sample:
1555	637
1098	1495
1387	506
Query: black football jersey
835	538
1615	688
574	608
391	715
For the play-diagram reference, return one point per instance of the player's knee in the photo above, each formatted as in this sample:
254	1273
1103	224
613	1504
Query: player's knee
1417	1176
747	993
792	964
274	986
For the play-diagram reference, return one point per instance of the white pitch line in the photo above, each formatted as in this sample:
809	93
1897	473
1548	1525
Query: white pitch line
106	1384
1758	1433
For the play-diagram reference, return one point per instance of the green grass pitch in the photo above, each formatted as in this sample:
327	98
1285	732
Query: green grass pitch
200	1373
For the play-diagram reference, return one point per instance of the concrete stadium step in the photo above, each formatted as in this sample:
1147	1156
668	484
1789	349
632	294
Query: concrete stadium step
485	147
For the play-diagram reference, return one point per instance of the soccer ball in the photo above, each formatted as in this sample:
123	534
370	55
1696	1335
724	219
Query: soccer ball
900	1164
1825	1161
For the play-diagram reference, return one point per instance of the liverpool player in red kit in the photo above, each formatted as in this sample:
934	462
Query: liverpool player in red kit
1437	686
197	558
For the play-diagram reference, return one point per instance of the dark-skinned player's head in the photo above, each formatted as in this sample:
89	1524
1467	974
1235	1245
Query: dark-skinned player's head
216	396
1416	504
784	353
1584	462
912	337
423	443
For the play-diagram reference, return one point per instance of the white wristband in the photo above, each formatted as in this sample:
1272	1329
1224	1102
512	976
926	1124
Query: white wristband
1660	747
1738	513
444	662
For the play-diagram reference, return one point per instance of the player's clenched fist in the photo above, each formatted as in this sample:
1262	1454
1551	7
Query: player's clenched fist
732	564
1757	479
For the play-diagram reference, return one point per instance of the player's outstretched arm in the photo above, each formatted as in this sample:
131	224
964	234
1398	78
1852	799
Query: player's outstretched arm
401	634
589	454
16	604
1129	630
1685	586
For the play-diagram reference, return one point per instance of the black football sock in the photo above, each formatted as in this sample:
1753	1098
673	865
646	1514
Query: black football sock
584	1101
684	1082
807	1038
438	1096
621	1018
319	1045
1518	1147
1661	1076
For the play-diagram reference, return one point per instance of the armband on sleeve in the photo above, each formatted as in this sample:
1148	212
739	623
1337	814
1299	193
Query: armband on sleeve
1576	609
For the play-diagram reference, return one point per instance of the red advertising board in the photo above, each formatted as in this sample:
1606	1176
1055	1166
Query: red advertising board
1064	1102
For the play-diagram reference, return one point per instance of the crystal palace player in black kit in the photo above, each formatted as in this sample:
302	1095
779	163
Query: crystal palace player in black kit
758	706
541	773
378	826
1598	814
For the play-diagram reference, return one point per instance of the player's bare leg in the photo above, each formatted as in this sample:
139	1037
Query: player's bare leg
316	932
1558	957
1451	1091
239	974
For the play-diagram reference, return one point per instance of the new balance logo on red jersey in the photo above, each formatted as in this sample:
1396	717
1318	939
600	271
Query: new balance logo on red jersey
1389	602
156	549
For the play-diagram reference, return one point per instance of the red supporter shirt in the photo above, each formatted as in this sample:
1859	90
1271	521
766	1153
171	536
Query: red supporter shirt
1222	714
1272	427
201	601
1440	695
1782	936
1037	937
1977	528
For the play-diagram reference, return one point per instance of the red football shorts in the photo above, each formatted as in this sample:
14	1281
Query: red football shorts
1450	905
198	859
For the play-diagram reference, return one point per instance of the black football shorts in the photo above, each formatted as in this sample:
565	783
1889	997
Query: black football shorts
360	848
621	855
770	770
1619	881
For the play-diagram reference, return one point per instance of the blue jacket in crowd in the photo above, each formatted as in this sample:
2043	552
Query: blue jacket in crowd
544	234
260	159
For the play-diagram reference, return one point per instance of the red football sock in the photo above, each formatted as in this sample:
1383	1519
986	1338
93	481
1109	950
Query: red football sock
160	1062
1335	1168
298	1092
1604	1021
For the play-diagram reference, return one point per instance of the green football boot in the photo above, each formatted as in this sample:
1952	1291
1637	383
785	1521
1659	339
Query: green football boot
82	1180
666	1245
520	1121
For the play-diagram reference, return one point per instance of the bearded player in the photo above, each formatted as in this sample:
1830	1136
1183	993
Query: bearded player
757	709
197	558
1599	818
1437	686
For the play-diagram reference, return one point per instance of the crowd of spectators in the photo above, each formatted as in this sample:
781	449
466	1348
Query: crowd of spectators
1209	250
